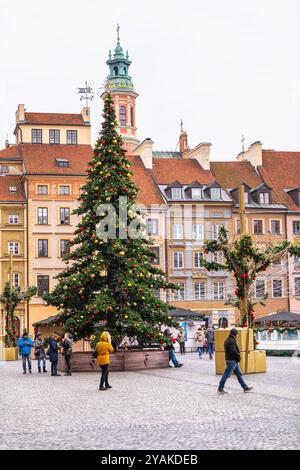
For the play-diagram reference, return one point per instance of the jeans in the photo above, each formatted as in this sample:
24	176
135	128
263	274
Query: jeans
68	364
104	376
210	348
182	348
200	350
232	367
172	357
41	360
25	359
54	367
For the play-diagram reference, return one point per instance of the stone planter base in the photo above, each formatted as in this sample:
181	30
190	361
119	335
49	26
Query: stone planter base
119	361
9	354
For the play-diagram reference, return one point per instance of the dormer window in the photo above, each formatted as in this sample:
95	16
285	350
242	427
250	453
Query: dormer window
196	193
176	193
62	162
215	193
4	169
12	189
246	197
264	198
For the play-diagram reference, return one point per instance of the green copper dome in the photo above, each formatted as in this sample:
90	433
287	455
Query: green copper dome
118	78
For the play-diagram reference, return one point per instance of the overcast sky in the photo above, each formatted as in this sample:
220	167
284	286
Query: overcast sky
224	67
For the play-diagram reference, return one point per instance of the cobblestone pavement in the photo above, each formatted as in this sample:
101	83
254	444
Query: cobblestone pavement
160	409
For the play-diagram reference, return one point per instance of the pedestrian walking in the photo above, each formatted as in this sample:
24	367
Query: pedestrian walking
181	341
170	347
39	352
210	338
25	344
52	353
67	346
104	349
200	339
233	357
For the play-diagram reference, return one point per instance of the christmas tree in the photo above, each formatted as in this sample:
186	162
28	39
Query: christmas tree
110	279
245	260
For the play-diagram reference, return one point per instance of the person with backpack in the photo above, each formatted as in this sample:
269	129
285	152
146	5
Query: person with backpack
233	357
210	338
52	353
25	344
39	352
67	346
199	339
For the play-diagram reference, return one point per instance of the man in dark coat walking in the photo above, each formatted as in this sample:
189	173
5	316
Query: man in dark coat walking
233	357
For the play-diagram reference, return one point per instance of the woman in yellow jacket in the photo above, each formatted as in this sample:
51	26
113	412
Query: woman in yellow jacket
103	349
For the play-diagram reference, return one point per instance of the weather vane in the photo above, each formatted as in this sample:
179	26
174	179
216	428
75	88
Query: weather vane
86	93
118	32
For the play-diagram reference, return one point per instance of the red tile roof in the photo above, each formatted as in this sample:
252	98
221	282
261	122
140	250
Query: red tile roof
12	181
41	158
148	191
10	153
231	174
167	170
281	170
54	119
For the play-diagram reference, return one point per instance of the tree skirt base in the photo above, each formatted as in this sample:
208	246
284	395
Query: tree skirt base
119	361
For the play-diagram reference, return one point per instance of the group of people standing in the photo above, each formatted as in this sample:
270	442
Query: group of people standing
26	344
204	341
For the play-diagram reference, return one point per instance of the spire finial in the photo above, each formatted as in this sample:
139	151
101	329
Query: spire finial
181	125
118	33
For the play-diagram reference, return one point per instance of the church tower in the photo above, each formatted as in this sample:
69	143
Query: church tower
120	86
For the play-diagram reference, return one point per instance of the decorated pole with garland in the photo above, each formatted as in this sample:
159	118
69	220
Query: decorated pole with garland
111	281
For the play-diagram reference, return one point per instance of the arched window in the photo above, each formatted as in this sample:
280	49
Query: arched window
223	322
123	116
116	71
124	70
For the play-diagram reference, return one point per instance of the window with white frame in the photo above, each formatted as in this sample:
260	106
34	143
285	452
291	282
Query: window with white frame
178	260
264	198
198	256
215	231
258	227
42	189
152	227
54	136
4	169
196	193
64	216
71	137
64	190
275	227
177	231
176	193
198	231
12	189
218	257
215	193
246	197
219	290
42	216
13	219
36	136
14	247
180	293
238	226
260	288
64	248
277	288
16	280
297	286
200	290
296	227
42	285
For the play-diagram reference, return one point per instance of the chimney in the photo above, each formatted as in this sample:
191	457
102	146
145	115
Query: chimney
145	151
20	113
86	114
253	154
183	142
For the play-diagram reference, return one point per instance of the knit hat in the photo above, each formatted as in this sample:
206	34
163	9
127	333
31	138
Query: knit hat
234	332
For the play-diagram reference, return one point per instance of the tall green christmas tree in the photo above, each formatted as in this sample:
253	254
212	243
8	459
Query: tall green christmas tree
111	280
